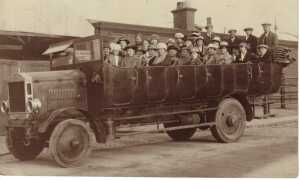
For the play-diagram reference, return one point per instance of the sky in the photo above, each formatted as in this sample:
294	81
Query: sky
68	17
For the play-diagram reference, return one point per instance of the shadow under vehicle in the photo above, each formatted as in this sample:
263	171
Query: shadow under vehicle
59	109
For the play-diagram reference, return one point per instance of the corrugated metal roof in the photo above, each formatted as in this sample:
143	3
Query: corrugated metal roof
57	47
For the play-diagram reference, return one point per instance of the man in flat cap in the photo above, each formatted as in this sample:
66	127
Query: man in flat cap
250	39
268	37
185	56
209	35
233	41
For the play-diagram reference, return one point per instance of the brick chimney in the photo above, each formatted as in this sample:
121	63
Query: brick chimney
184	16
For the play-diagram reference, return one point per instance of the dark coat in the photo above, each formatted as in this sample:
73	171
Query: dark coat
271	40
252	42
233	44
249	57
267	58
208	39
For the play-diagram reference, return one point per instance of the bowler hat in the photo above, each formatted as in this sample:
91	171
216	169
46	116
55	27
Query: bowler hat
123	39
172	47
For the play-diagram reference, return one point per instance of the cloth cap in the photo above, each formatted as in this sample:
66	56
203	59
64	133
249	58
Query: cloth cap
232	30
248	29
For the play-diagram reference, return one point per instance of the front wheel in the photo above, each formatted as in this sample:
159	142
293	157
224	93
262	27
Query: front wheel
21	148
230	121
70	142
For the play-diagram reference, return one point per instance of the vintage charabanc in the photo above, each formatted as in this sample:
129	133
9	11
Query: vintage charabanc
63	109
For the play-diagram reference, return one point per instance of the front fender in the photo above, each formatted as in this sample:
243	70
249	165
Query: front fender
54	117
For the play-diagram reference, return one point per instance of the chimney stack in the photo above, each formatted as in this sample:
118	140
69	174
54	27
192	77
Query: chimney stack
184	16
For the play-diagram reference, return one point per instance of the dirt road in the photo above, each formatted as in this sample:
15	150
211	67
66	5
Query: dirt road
262	152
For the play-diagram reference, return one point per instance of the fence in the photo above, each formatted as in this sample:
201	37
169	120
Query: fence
287	97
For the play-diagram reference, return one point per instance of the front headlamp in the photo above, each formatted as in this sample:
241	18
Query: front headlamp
34	105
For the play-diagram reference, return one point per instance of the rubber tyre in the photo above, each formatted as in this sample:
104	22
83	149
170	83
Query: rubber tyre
70	142
230	121
181	134
16	145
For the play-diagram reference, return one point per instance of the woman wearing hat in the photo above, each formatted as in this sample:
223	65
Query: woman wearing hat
123	42
199	46
160	60
130	60
244	55
211	57
154	39
152	54
172	56
225	57
179	39
185	56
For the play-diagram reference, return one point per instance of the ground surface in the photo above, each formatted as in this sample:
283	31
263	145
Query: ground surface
264	151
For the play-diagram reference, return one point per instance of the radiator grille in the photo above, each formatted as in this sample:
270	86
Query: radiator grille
16	96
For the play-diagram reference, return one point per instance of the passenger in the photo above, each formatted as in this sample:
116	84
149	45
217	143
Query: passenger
130	60
209	35
251	40
152	54
233	41
225	57
160	60
196	59
211	57
106	52
171	42
139	41
145	48
185	56
268	37
264	53
179	39
123	42
154	39
115	59
189	42
216	40
244	55
172	56
199	46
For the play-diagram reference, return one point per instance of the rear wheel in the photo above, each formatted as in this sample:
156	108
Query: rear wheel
230	121
21	148
180	134
70	142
